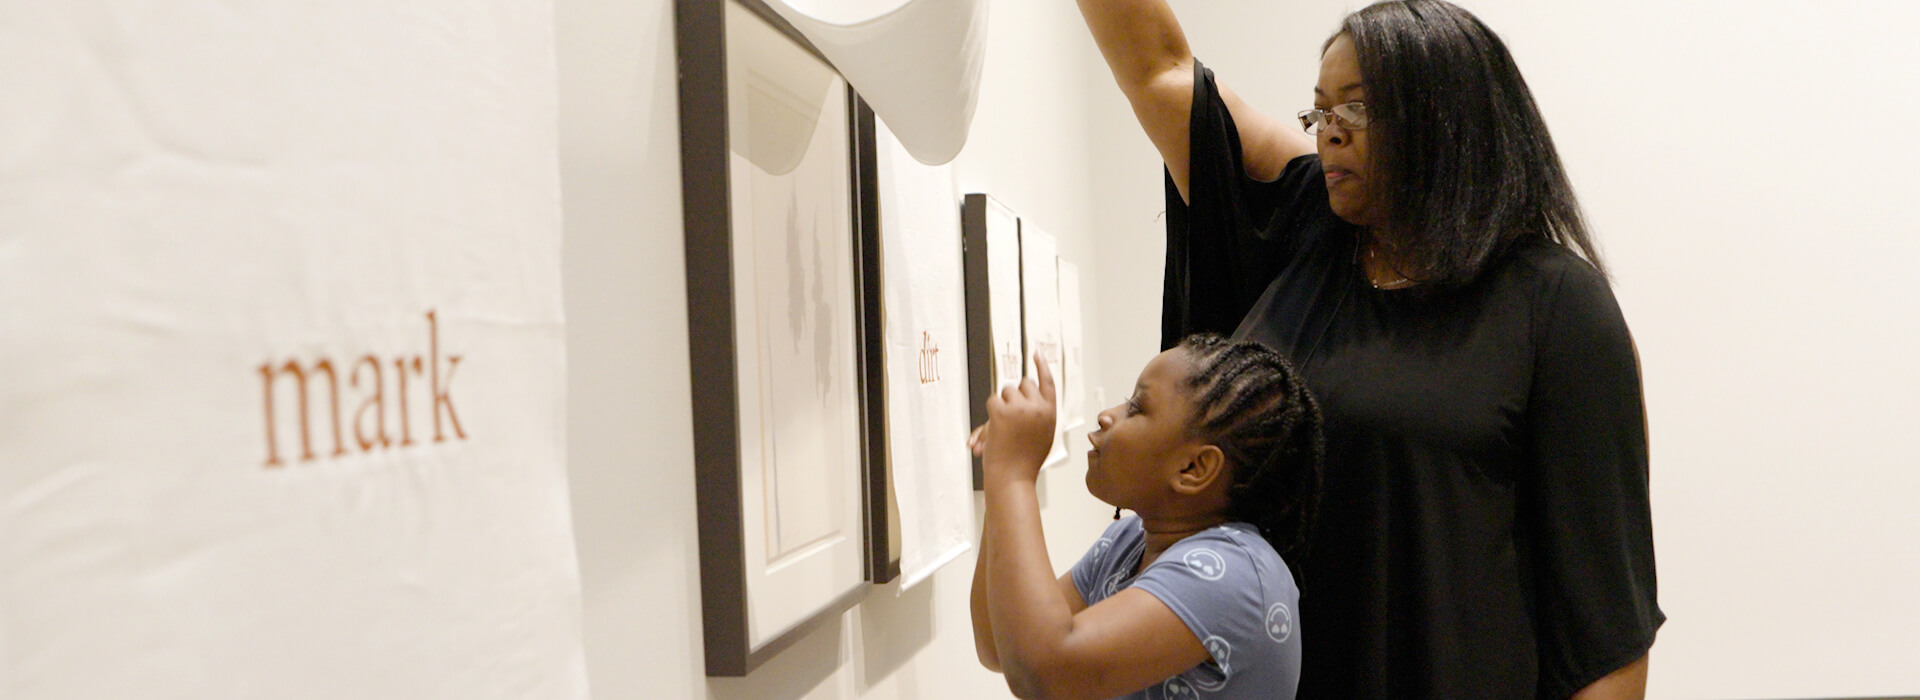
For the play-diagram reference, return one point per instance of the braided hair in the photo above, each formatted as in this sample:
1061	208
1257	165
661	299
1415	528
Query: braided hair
1249	402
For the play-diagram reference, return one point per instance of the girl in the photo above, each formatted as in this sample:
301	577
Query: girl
1218	453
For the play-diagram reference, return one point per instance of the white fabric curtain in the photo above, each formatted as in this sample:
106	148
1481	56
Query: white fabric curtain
282	359
916	62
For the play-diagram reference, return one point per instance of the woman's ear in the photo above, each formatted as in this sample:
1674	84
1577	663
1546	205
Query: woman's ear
1206	465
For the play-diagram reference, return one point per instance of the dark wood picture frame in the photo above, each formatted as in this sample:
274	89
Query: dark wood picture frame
706	175
984	360
883	507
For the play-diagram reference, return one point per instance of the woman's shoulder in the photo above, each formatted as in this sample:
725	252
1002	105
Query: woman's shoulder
1559	286
1294	204
1547	260
1543	270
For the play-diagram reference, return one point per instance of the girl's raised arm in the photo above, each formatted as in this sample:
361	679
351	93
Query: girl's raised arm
1046	640
1148	54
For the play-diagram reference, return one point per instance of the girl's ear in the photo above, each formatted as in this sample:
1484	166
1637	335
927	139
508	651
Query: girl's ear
1206	465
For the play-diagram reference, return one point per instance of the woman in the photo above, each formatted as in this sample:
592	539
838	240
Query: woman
1412	244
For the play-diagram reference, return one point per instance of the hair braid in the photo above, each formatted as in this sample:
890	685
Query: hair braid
1252	405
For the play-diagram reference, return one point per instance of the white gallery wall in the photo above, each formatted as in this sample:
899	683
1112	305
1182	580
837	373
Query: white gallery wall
1749	171
1747	168
630	443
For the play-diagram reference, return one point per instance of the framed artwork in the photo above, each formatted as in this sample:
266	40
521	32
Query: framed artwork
914	270
1040	304
774	309
991	235
1073	396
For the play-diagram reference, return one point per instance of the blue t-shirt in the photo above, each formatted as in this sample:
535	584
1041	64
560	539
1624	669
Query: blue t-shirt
1231	589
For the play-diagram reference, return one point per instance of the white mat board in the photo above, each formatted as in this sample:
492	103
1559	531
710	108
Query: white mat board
794	324
926	359
1040	303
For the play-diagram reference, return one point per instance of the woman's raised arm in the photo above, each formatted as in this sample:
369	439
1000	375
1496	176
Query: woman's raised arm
1148	54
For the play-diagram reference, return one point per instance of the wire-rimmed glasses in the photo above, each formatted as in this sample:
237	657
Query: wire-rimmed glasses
1350	116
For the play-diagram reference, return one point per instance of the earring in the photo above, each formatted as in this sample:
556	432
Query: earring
1116	512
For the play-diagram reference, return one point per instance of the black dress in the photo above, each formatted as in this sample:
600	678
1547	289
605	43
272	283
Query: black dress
1484	530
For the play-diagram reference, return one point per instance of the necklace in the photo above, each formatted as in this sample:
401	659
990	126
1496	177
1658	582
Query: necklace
1399	282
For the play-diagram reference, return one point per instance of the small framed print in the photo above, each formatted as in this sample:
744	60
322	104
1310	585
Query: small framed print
995	342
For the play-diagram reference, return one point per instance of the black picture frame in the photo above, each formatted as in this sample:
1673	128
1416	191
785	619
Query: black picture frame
701	33
985	249
883	506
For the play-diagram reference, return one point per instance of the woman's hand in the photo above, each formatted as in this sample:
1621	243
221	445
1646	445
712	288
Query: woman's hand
1019	430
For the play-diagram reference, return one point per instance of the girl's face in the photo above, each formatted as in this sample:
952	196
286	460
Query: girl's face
1351	189
1144	442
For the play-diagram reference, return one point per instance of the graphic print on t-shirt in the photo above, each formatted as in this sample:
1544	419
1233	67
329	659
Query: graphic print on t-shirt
1176	688
1232	591
1206	564
1221	650
1279	622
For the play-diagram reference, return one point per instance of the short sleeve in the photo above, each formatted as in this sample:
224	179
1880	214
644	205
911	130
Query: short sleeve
1093	574
1586	492
1215	587
1226	245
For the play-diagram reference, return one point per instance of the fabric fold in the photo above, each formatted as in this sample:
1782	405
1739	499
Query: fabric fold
916	62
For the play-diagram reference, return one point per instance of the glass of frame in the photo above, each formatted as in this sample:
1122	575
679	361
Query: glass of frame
775	311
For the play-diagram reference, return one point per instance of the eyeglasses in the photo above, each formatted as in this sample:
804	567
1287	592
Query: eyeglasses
1351	116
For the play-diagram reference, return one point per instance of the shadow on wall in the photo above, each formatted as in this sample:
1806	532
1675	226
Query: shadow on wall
624	287
789	675
894	626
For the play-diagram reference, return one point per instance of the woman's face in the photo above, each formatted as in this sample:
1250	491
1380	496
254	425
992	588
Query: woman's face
1144	441
1351	189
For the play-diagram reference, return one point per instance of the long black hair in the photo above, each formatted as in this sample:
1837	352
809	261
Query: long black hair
1252	405
1468	164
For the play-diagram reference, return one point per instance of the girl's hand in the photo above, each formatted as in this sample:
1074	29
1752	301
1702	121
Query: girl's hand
1019	429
